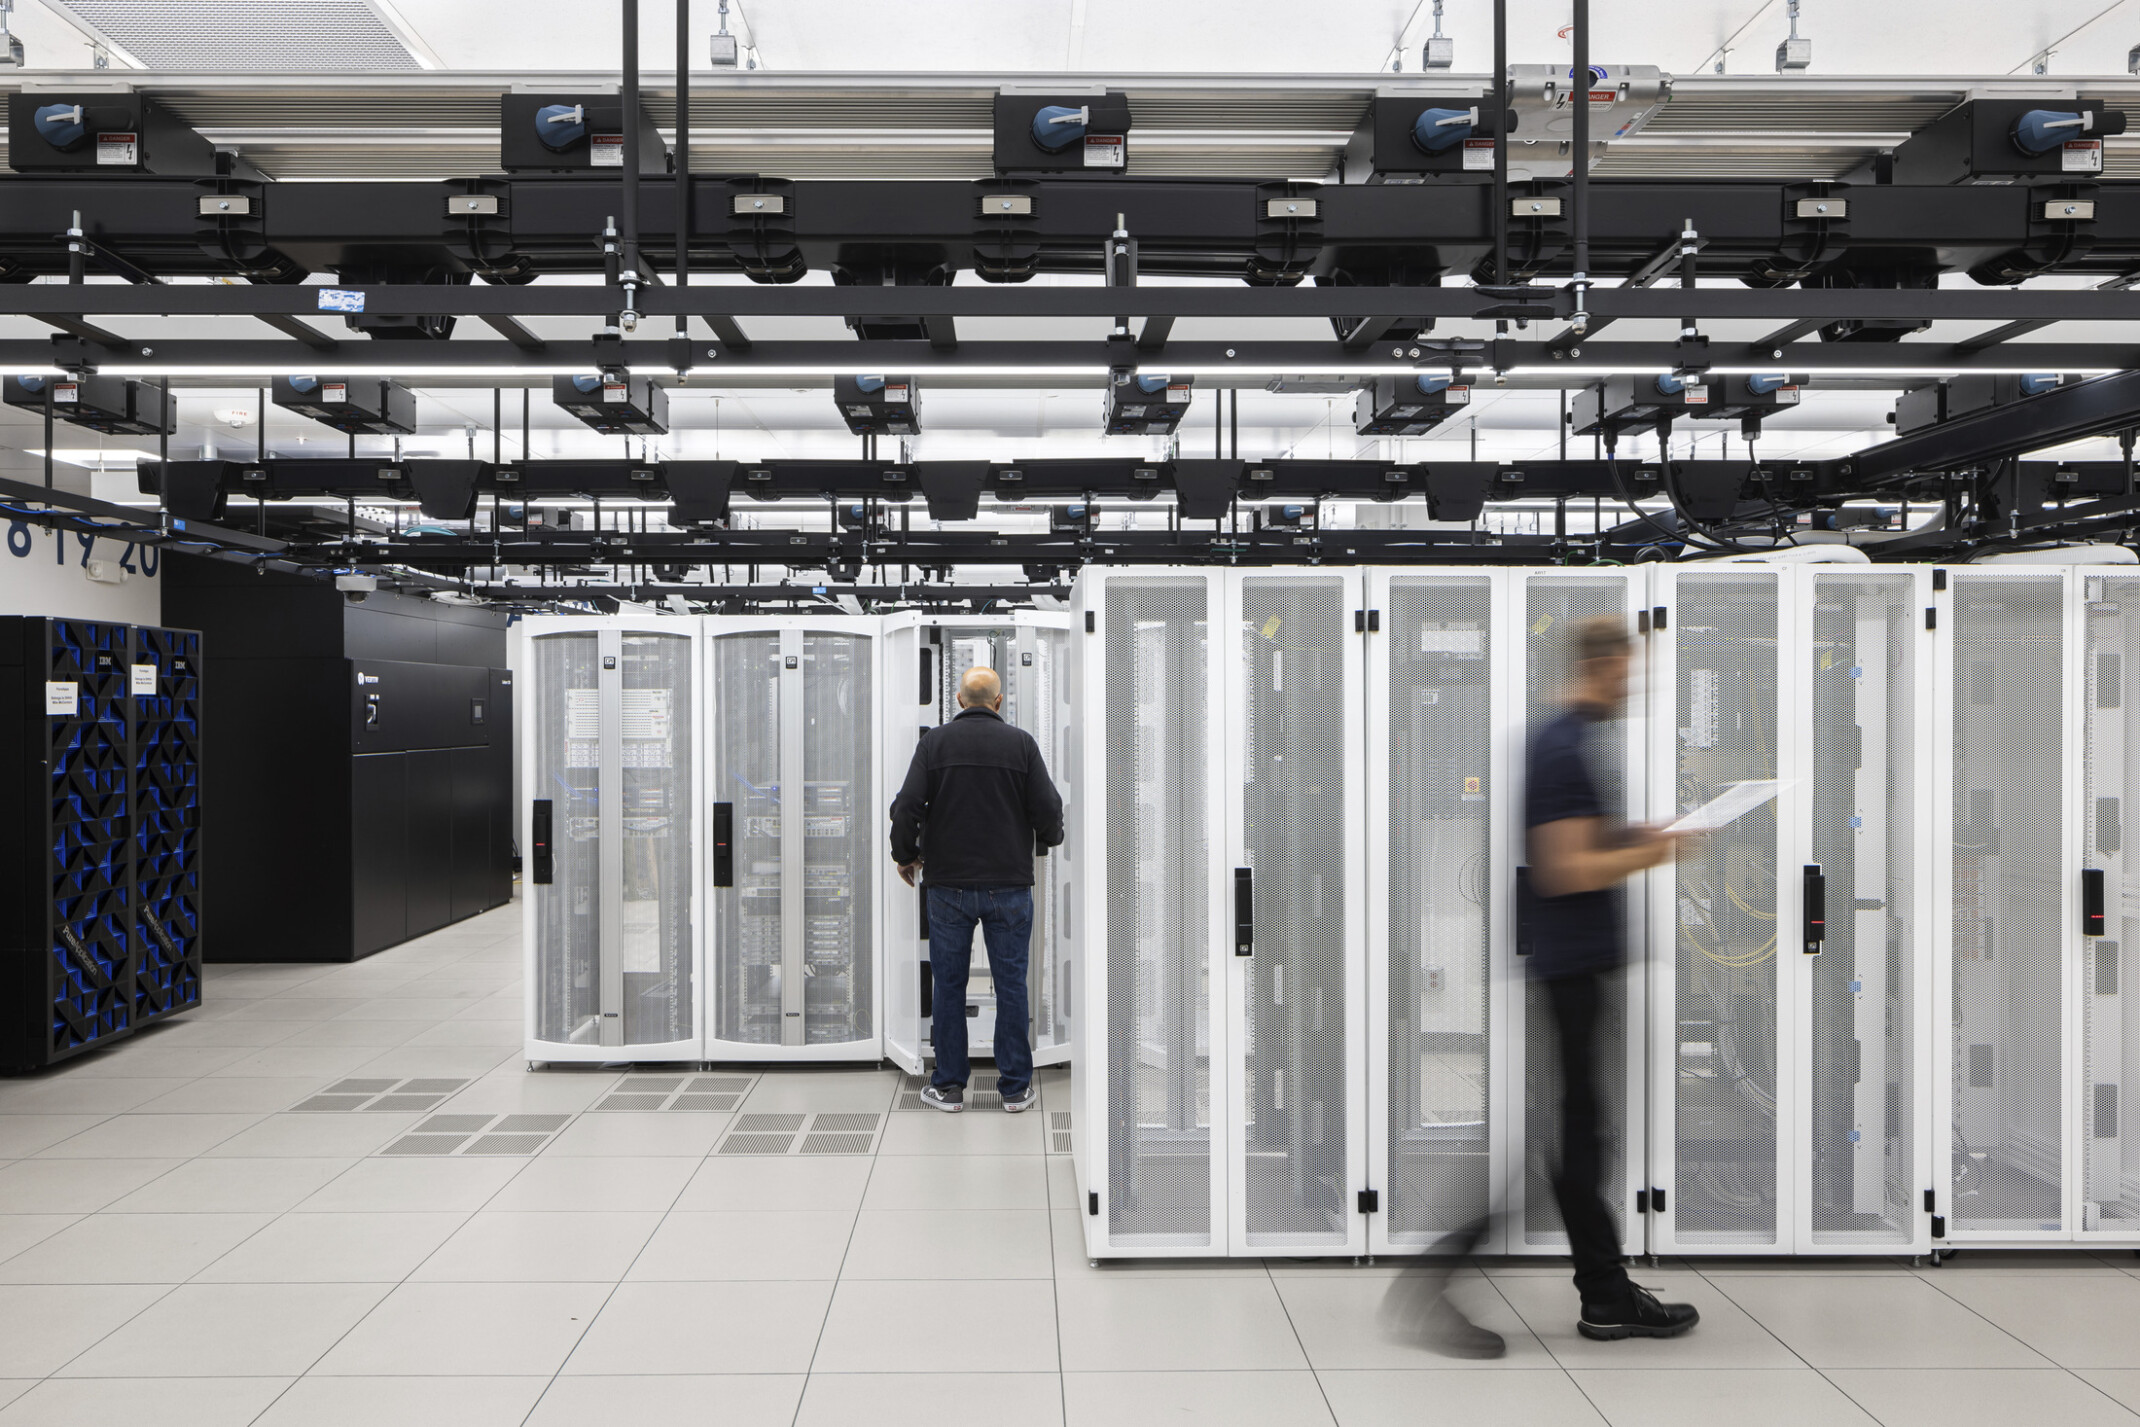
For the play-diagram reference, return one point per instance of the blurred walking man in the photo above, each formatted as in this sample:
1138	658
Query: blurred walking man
976	806
1578	860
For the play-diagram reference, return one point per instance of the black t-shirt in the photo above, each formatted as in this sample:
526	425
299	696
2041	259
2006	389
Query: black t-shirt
1580	932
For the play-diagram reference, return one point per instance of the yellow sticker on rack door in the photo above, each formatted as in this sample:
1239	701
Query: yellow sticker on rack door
1541	624
1471	785
1270	627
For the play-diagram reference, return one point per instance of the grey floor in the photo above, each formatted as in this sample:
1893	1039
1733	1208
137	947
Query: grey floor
438	1237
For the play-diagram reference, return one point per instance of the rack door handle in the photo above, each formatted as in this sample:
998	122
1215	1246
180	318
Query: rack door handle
1244	911
539	841
2091	901
1816	908
724	844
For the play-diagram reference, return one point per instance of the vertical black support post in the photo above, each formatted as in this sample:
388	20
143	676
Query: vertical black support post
260	452
49	383
526	511
1233	402
683	156
163	453
1501	140
1218	425
1564	423
497	425
1580	191
629	207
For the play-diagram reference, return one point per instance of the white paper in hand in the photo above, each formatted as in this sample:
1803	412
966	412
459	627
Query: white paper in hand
1737	800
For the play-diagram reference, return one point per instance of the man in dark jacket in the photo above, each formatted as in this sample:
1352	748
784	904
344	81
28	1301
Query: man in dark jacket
976	804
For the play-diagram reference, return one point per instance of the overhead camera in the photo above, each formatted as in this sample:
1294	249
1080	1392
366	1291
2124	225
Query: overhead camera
355	588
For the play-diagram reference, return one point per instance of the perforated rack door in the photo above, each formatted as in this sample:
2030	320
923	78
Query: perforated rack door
906	708
1867	699
1155	1169
1046	711
747	743
89	864
838	845
165	683
656	742
2109	1078
2014	866
562	735
1296	1071
1543	611
1438	728
1721	1037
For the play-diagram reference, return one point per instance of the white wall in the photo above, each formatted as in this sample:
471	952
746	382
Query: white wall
42	572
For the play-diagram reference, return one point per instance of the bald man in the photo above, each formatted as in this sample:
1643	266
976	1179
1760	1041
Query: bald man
976	809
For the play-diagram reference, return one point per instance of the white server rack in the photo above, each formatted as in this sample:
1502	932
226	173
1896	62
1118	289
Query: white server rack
2008	981
2108	1081
923	658
796	850
1542	610
611	722
1221	1087
1442	750
1151	1138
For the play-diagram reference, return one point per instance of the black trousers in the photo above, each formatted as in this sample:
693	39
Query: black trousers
1593	1238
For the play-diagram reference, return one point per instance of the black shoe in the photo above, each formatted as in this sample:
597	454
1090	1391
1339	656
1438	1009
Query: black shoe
949	1098
1451	1334
1639	1315
1023	1101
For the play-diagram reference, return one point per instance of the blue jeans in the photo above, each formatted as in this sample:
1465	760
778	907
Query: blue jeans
1005	916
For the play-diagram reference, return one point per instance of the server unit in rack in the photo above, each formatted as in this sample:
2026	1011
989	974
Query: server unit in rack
164	683
795	845
611	738
98	833
924	657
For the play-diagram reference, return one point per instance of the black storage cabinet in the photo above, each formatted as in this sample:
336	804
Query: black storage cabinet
366	797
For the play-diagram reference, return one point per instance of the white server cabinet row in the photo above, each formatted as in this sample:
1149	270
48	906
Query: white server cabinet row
706	808
1867	1018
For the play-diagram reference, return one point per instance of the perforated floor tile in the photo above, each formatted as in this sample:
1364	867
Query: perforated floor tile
756	1144
529	1124
447	1124
507	1144
425	1144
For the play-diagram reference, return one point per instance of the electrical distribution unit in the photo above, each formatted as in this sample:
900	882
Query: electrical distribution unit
102	132
1743	398
1140	403
1409	135
878	406
99	833
361	406
924	657
615	404
1059	132
1921	408
573	133
1623	403
798	839
1407	406
2004	140
116	406
610	733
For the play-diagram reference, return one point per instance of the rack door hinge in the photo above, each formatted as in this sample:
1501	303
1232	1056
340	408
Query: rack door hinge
1370	1201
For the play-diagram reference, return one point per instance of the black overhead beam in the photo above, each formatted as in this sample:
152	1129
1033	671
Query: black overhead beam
1537	362
1160	300
2067	413
1363	231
